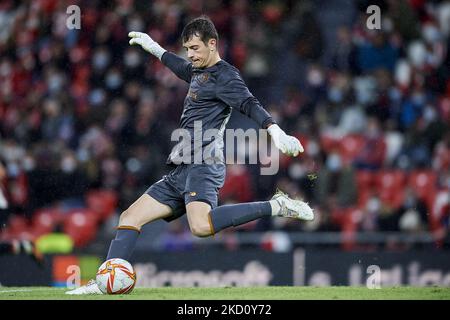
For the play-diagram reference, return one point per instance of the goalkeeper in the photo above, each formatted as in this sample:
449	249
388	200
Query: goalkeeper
215	88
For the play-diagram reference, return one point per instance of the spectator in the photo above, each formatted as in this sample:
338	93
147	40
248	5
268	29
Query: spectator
3	199
377	53
344	56
373	154
336	179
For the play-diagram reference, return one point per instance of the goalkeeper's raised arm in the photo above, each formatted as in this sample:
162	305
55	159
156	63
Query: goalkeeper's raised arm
181	67
230	88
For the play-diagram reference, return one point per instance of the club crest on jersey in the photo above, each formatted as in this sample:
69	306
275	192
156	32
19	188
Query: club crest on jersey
201	78
204	77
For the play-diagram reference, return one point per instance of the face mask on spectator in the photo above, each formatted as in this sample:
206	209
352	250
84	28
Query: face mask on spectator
55	82
418	99
113	80
373	205
133	165
410	201
387	25
363	97
82	155
28	164
68	164
409	221
395	94
443	15
100	60
135	24
315	77
403	73
334	162
12	152
132	59
372	132
313	148
429	114
404	162
335	95
296	171
417	54
13	169
364	89
97	96
431	34
5	69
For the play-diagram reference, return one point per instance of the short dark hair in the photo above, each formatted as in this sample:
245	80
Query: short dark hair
202	27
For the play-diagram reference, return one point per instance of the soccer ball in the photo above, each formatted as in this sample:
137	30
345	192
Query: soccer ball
116	276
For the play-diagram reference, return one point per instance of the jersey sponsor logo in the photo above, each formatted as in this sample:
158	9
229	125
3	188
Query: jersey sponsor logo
192	94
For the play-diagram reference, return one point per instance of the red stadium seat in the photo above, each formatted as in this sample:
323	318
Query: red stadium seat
17	225
424	184
81	226
365	179
389	186
365	182
102	202
285	161
45	220
363	197
350	146
348	219
304	139
441	209
237	186
350	227
346	216
337	216
19	228
328	143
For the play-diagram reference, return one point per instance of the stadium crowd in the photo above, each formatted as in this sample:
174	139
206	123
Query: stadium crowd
85	119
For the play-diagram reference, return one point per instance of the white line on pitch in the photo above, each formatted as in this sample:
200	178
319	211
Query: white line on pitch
20	290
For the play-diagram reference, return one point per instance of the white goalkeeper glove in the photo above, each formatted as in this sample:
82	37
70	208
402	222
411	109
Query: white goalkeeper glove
147	43
287	144
3	201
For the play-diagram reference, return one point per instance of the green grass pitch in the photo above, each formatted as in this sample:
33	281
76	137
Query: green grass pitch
238	293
